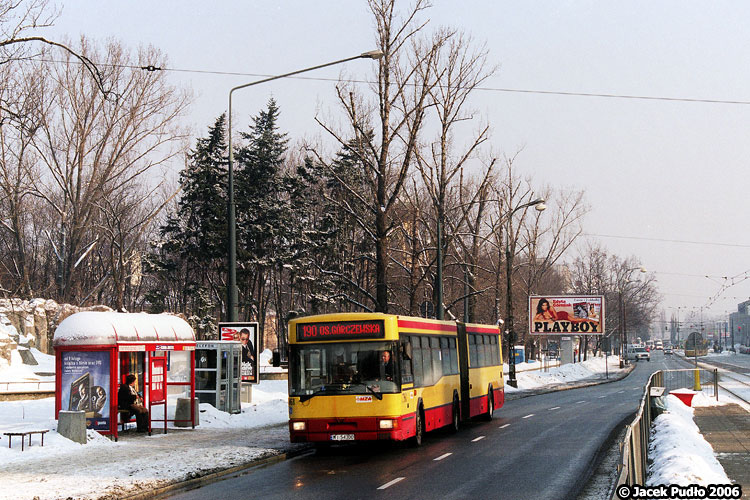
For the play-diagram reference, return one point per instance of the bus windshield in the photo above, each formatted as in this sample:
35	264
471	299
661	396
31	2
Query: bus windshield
344	368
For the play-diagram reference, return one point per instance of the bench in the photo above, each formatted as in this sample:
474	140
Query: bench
23	434
121	418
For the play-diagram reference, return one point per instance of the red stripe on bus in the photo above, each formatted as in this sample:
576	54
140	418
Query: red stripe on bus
438	327
479	329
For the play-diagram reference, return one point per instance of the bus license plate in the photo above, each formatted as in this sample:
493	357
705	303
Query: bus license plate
342	437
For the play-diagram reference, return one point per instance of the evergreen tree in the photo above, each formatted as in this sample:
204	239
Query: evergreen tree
189	260
263	215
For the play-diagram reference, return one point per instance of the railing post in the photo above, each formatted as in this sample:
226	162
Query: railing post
716	383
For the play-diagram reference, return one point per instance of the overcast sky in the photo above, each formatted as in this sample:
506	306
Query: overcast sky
652	170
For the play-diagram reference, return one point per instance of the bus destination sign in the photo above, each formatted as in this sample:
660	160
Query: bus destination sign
340	330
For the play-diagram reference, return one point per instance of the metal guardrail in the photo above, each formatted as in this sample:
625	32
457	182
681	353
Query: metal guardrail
634	447
21	386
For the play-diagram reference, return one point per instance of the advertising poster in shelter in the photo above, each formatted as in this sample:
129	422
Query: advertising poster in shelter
247	335
566	315
84	385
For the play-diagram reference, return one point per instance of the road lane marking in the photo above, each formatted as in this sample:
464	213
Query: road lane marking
579	402
529	415
445	455
477	439
391	483
555	408
620	392
600	397
503	426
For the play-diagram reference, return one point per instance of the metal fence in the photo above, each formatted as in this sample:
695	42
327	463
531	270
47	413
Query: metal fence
27	386
634	448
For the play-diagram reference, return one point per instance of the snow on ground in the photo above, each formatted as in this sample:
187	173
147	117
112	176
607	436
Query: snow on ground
679	452
63	468
138	462
534	376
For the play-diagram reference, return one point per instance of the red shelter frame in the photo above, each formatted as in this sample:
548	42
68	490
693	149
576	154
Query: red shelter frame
84	342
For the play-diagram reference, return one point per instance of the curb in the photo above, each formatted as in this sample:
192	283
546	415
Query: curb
212	477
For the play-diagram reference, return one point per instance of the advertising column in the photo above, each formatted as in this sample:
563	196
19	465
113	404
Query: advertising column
85	380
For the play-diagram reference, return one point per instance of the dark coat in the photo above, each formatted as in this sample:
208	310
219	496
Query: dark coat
125	398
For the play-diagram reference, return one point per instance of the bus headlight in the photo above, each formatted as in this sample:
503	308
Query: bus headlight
385	424
298	426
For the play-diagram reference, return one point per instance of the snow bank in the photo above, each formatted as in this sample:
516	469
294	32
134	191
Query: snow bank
679	453
592	367
269	407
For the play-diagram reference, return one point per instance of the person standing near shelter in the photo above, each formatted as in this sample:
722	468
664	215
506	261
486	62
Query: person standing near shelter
129	399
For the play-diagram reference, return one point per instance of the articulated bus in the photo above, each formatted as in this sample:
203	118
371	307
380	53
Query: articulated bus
372	376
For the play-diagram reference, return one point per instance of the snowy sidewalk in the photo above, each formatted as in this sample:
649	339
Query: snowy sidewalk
727	429
138	462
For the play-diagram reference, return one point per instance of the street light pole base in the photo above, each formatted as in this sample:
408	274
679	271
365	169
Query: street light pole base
622	364
513	382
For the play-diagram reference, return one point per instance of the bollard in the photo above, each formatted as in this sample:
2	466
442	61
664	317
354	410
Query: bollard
72	425
182	412
697	382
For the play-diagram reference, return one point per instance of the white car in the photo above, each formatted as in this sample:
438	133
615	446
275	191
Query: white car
668	350
641	353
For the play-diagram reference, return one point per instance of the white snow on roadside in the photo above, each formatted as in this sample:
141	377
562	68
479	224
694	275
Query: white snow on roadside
533	375
679	452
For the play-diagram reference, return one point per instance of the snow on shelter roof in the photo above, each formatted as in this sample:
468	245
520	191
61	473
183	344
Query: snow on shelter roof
111	328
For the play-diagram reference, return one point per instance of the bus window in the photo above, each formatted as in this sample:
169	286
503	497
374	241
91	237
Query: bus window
427	362
437	364
345	368
488	351
416	361
446	355
481	351
495	350
454	356
472	350
406	373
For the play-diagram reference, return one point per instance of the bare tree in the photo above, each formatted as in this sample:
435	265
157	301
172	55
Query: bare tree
459	68
385	134
93	148
21	24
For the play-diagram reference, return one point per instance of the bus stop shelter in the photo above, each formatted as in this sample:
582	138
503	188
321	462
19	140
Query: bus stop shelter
95	351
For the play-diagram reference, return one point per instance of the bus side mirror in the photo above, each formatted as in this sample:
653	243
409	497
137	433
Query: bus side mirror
406	351
276	358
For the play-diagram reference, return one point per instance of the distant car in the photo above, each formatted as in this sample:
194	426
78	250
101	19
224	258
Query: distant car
642	353
668	350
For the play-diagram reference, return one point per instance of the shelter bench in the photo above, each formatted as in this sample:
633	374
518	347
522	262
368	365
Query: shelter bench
121	414
23	434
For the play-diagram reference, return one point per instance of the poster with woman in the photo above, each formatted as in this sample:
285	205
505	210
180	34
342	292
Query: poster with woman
85	380
566	315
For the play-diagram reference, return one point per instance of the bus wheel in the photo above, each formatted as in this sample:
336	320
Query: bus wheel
419	434
490	407
456	422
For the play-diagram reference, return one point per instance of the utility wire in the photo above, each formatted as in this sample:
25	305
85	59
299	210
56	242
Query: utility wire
667	240
486	89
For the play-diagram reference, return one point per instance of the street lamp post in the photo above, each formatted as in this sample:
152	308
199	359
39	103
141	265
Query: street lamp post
540	206
232	313
623	316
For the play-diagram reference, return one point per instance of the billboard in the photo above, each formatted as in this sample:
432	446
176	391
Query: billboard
85	381
247	335
566	315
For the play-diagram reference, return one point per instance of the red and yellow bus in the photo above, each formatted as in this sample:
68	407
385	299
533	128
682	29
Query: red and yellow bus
372	376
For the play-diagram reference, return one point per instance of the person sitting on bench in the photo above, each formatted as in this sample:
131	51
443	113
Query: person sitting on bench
128	399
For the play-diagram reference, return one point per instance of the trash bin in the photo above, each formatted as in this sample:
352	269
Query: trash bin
72	425
182	412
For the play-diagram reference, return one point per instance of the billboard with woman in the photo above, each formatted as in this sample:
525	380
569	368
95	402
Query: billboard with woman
566	314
